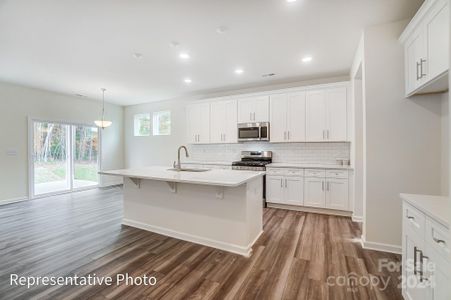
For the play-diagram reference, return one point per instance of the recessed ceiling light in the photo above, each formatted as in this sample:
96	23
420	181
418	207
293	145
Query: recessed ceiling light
239	71
137	55
184	55
187	80
306	59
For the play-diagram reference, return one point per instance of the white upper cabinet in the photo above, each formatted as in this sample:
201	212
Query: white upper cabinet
253	109
223	125
426	44
326	115
198	123
287	117
437	32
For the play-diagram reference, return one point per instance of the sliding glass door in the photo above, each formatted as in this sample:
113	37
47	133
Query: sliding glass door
85	158
65	157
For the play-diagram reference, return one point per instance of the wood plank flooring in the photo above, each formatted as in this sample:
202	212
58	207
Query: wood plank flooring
81	234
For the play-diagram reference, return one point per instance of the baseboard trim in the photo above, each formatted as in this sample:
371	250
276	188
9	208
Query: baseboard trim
381	247
357	219
244	251
13	200
323	211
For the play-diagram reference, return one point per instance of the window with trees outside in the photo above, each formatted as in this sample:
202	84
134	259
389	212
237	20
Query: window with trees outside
142	124
162	123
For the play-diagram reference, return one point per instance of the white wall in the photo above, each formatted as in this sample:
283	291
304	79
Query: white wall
403	136
17	103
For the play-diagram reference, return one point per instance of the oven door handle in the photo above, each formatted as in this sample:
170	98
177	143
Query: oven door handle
259	133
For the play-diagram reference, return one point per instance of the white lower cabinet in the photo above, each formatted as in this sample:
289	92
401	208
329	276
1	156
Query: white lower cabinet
337	193
425	256
310	187
285	187
315	195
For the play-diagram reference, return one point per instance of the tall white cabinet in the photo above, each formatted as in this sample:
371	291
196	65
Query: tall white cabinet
326	115
198	123
287	117
223	122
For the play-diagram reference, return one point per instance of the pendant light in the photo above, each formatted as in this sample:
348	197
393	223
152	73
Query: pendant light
103	123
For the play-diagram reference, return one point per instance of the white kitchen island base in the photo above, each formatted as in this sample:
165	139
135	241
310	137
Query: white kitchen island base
226	217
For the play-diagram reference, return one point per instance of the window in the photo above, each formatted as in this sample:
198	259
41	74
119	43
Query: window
142	125
162	123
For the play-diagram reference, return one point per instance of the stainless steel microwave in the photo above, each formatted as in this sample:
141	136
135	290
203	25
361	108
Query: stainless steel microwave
248	132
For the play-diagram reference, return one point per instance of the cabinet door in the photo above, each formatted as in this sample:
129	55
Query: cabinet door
294	190
245	110
296	117
278	118
315	116
337	194
261	109
218	121
230	122
204	123
274	189
415	52
314	194
411	279
437	28
192	116
336	114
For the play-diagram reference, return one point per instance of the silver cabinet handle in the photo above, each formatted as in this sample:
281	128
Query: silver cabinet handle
438	241
327	131
421	68
418	66
286	182
422	257
288	135
284	135
411	218
415	250
281	184
324	134
322	185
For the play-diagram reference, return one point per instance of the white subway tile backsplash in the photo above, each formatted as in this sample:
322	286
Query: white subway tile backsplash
321	153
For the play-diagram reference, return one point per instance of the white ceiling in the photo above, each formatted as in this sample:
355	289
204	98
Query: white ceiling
79	46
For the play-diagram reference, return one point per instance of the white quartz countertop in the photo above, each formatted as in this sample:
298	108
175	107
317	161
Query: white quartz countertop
308	166
228	178
436	207
219	163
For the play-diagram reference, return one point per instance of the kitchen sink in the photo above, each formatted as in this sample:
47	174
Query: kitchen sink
188	170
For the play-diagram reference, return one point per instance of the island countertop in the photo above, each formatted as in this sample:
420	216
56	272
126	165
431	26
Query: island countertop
227	178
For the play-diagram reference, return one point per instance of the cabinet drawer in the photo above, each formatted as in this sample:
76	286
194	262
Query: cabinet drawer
315	173
337	174
285	172
414	221
437	237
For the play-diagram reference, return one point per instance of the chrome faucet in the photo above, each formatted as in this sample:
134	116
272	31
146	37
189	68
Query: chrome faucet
178	165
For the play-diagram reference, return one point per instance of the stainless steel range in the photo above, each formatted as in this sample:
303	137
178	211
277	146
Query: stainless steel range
253	160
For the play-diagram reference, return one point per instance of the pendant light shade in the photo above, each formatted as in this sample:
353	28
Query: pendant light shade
103	123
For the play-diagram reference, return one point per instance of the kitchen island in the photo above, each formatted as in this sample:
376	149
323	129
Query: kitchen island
216	208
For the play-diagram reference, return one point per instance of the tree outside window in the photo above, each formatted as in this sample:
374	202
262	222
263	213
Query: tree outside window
142	124
162	123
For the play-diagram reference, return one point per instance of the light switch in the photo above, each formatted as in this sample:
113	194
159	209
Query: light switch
11	152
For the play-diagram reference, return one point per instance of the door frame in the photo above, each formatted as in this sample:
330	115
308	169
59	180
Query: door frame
31	121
